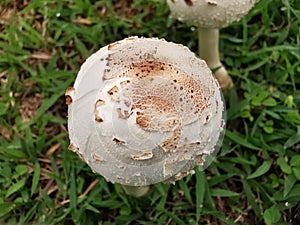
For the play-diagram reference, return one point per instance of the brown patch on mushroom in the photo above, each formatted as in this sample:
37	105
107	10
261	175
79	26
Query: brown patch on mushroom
73	148
142	156
113	92
124	83
207	118
178	176
156	113
97	104
70	92
98	119
195	93
185	173
145	68
143	121
189	2
170	145
212	3
200	159
127	102
113	45
118	142
131	38
122	167
124	115
120	178
222	123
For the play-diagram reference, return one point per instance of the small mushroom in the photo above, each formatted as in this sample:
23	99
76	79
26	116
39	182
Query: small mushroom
209	16
166	110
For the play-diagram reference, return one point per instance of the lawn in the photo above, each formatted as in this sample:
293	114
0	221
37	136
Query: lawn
255	178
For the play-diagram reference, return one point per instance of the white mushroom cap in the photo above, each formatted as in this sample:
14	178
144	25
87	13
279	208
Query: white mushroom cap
210	13
143	111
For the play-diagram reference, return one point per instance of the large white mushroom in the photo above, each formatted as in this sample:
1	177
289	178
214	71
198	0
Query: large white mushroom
209	16
144	111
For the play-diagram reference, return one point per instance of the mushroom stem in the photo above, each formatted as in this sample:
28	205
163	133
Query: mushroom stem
136	191
209	51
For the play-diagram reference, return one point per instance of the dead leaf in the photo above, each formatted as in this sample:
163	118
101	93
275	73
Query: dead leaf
84	21
41	56
5	133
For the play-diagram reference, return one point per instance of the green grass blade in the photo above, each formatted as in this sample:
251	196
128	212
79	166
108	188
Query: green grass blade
184	187
251	198
261	170
240	140
36	178
200	192
15	187
217	192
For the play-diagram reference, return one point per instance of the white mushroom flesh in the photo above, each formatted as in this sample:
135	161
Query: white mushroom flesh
210	13
144	110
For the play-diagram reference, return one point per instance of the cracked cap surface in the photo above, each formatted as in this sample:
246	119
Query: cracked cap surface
143	111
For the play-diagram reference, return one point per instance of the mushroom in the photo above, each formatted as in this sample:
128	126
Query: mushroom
209	16
144	111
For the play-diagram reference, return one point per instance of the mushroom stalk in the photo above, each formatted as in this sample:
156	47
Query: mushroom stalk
136	191
209	51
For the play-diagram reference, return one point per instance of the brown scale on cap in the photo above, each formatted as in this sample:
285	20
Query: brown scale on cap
207	118
73	148
200	159
96	112
189	2
118	141
113	45
178	176
122	167
70	92
171	144
142	156
97	158
143	121
124	83
114	94
212	3
222	123
123	115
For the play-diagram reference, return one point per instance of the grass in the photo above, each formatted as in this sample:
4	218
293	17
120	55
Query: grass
255	178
